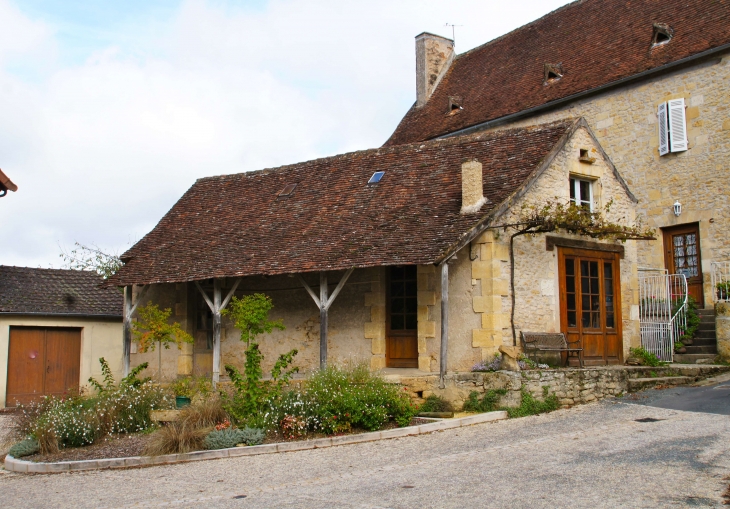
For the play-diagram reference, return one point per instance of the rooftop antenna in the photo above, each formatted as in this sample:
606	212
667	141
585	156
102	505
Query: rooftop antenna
453	31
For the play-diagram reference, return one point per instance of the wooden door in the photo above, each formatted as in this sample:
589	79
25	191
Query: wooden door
402	318
590	304
42	361
682	256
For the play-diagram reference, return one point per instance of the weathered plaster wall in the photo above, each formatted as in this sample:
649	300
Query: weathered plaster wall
99	338
536	269
625	122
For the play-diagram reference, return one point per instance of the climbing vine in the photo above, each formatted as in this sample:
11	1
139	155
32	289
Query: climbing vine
557	216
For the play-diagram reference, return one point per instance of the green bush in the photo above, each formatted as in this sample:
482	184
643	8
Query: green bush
338	399
646	358
231	437
488	403
24	448
78	420
435	403
532	406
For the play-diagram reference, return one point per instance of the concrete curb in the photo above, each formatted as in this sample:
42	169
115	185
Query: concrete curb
30	467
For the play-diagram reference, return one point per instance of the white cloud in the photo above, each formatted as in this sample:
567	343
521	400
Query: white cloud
101	150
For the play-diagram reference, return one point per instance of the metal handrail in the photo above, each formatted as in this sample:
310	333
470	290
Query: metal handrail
662	313
720	275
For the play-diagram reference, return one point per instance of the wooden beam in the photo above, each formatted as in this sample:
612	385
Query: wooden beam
216	331
339	287
230	294
127	330
444	323
310	291
323	320
205	296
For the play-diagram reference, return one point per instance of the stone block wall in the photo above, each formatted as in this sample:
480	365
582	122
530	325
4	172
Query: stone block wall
624	120
722	329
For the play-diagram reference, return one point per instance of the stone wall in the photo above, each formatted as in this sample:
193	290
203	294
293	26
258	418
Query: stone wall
624	120
571	386
536	269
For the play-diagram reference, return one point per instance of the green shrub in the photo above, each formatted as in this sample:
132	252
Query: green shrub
646	358
435	403
337	399
488	403
24	448
231	437
532	406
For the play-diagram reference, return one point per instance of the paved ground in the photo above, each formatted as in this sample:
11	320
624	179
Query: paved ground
711	398
593	456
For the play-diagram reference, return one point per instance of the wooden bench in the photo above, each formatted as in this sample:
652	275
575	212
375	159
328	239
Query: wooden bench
550	342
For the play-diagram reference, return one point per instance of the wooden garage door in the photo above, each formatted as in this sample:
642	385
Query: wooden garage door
42	361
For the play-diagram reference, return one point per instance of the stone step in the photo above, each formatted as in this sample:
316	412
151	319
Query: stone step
694	358
705	334
703	342
701	349
637	384
707	326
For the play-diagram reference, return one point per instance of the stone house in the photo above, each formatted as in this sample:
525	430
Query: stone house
54	327
652	79
391	255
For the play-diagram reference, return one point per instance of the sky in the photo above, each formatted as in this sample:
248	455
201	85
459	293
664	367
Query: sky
109	111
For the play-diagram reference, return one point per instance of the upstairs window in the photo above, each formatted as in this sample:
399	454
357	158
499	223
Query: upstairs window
672	127
581	193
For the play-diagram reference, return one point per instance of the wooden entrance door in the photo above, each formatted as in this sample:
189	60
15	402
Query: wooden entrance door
682	256
590	304
402	318
42	361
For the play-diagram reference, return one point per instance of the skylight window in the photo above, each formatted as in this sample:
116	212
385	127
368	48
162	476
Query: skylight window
376	177
287	191
663	33
553	72
455	104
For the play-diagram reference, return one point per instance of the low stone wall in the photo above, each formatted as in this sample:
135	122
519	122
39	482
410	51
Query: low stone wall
571	386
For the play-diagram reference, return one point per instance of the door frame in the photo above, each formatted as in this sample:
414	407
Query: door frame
408	334
618	312
667	246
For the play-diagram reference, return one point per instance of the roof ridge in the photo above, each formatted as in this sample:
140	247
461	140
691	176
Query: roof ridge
392	149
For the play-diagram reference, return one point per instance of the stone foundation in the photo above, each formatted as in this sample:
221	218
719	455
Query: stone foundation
571	386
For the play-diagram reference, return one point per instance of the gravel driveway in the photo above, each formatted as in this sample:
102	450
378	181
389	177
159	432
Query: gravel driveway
593	456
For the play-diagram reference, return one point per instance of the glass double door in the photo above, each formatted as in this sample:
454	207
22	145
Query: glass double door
590	304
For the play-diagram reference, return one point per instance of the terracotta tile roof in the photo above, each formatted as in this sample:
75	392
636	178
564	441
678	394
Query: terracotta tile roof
6	184
56	292
237	225
596	41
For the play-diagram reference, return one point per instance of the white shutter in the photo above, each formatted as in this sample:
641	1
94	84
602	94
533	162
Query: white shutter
663	131
677	126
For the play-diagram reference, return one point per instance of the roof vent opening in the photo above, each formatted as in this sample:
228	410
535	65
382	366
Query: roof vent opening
552	73
287	191
376	177
455	104
663	33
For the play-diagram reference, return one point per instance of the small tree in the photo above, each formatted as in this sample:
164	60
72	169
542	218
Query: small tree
83	257
250	315
153	327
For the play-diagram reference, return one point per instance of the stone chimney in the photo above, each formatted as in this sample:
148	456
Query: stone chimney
434	55
472	191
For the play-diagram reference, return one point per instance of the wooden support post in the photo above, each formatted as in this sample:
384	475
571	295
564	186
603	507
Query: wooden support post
444	323
216	331
127	336
323	312
127	312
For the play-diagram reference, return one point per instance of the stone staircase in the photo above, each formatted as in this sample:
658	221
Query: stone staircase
704	347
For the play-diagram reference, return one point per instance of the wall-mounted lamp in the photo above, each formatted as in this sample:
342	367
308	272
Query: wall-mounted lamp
677	208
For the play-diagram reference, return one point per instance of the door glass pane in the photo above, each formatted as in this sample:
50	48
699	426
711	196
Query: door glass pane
590	298
685	254
608	292
402	304
570	292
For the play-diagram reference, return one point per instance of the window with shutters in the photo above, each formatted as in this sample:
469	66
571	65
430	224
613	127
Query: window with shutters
672	127
581	193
